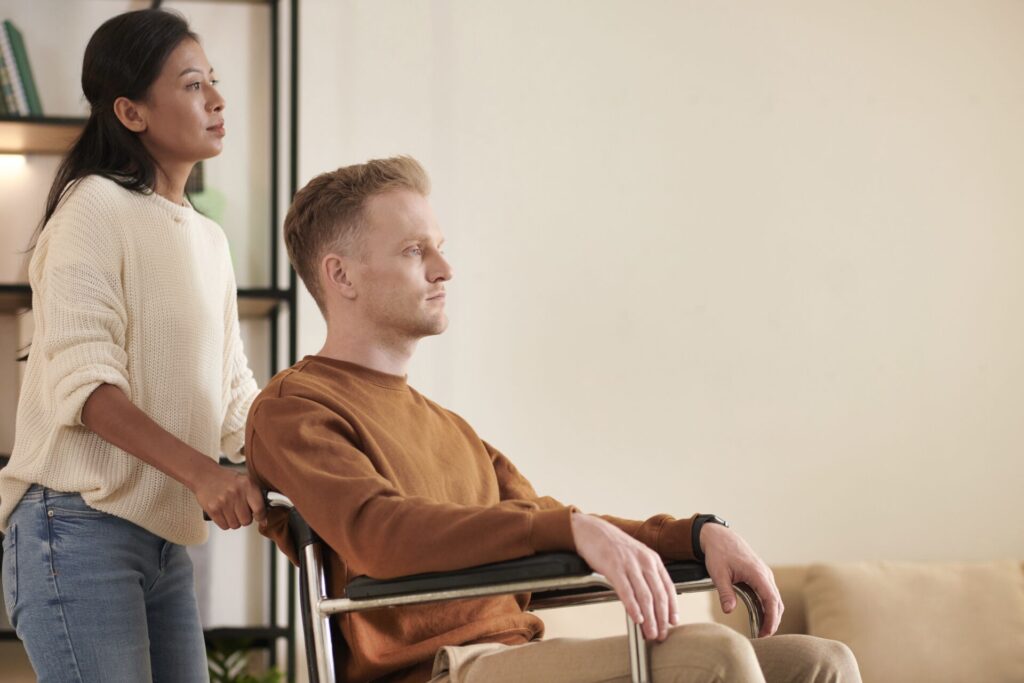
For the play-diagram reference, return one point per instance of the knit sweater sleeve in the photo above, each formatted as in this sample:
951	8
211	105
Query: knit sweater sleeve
309	453
77	291
668	536
239	384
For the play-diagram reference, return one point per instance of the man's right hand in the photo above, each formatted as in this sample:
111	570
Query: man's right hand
635	571
729	560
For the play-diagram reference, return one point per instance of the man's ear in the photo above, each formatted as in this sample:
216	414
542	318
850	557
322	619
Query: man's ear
336	273
130	115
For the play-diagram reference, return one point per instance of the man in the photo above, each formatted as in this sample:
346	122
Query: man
396	485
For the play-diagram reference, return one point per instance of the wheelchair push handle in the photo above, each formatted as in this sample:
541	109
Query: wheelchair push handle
273	499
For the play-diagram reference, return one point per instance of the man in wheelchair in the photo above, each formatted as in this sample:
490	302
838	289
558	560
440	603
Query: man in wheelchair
396	485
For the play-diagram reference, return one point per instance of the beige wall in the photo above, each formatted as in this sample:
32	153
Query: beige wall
762	259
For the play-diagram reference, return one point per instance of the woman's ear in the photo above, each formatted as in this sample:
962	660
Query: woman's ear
130	115
335	270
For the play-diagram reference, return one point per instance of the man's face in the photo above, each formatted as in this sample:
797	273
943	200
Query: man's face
400	278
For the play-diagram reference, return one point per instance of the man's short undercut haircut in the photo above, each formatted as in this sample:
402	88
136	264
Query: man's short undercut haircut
327	214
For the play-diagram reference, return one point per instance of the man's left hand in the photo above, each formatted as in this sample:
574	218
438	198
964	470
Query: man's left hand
730	560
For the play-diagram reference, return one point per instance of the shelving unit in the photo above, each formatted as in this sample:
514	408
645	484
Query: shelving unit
275	304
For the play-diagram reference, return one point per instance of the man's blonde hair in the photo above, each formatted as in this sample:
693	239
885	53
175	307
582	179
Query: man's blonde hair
327	214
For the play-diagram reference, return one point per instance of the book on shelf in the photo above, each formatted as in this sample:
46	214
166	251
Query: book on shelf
35	107
24	97
8	106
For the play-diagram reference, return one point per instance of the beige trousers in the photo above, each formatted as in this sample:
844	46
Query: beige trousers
694	653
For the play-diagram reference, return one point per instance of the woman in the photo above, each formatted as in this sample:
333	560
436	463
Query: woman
136	378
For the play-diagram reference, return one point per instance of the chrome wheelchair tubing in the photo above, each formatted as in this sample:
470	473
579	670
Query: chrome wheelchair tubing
639	652
320	656
339	605
639	663
753	604
321	625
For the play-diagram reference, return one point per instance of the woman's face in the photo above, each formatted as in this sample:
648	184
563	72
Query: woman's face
183	111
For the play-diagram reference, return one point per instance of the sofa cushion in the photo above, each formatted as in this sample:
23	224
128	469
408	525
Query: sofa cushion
912	622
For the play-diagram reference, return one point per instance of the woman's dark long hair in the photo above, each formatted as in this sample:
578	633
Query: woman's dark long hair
123	58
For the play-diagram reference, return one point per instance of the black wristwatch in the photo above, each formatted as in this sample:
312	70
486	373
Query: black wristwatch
698	523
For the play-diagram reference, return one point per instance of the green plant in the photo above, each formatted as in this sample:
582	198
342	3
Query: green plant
228	661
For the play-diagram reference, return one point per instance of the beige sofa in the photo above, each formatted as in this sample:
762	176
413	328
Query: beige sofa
911	622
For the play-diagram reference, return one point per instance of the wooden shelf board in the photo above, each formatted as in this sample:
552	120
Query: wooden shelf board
14	299
252	303
256	307
38	135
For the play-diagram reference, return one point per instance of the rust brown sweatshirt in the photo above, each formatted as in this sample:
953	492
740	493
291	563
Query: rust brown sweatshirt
397	485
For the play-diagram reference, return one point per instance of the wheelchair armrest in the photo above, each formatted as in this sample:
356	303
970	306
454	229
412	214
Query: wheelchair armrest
564	578
686	575
542	566
685	572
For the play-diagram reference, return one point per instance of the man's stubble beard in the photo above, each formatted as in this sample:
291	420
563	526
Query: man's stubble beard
414	328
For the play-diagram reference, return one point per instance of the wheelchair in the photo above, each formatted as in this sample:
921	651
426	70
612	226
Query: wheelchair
553	579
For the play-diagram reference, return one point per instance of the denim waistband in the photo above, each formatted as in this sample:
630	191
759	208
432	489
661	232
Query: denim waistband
40	492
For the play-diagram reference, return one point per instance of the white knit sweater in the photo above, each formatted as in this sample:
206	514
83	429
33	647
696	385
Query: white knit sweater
135	291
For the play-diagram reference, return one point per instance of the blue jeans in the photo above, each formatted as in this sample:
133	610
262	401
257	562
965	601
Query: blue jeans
96	598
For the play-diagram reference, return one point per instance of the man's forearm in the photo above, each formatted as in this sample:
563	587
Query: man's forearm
667	536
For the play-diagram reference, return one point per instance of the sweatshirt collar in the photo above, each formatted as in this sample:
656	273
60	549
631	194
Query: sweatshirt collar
381	379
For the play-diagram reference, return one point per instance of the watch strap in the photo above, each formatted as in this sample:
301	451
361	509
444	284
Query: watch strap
698	523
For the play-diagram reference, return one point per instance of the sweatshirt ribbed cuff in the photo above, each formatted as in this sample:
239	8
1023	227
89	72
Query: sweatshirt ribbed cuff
552	530
674	541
